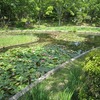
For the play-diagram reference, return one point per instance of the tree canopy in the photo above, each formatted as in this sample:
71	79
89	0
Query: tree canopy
64	11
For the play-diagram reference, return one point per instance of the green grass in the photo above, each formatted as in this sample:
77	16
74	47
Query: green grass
41	39
38	39
8	37
8	40
61	28
71	28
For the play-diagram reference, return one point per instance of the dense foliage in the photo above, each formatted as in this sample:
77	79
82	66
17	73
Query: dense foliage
19	67
79	80
27	12
91	68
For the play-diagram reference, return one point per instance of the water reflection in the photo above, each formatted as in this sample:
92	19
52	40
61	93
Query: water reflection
90	42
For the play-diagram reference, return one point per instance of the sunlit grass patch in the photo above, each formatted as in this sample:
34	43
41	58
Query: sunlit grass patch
73	37
8	40
67	28
70	28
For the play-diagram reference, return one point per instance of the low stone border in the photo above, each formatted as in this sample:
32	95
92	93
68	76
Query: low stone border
45	76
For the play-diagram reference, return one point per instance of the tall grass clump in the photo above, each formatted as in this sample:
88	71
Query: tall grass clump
65	95
37	93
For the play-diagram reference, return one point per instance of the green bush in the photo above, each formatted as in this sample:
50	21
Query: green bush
90	90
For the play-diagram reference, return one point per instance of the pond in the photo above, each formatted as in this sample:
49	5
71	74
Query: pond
21	66
91	41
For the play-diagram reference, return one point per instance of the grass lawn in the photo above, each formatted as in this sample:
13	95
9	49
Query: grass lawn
56	28
71	28
9	40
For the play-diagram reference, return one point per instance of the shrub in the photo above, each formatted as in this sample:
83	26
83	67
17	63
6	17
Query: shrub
90	90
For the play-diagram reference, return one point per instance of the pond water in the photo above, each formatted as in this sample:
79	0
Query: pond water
91	41
75	47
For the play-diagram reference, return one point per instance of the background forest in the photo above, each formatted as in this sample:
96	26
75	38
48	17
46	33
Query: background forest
26	13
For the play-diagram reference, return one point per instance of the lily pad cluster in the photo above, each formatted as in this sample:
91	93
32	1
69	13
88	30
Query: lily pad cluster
20	67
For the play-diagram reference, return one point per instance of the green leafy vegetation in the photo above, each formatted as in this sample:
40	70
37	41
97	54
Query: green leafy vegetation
92	76
93	62
73	82
59	12
19	67
62	85
38	35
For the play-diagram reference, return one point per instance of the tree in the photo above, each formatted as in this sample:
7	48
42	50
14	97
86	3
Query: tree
77	11
58	6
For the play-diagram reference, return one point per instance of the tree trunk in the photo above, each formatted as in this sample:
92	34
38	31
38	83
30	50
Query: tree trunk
39	20
59	21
